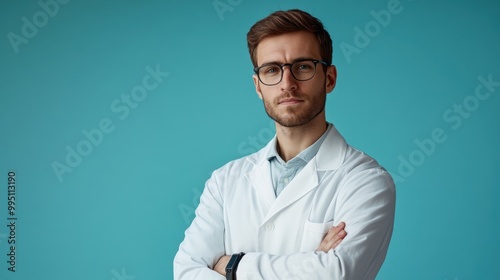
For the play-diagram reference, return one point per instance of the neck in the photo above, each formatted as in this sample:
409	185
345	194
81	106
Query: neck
292	140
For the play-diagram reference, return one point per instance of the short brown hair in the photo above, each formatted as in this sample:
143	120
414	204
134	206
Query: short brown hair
282	22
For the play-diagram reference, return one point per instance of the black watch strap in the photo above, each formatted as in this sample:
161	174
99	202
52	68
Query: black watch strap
232	265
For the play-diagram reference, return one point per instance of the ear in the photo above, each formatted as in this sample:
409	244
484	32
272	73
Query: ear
331	78
257	85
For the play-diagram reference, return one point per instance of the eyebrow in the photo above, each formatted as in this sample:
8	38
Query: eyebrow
295	60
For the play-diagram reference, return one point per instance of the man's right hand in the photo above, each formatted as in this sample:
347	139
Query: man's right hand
332	238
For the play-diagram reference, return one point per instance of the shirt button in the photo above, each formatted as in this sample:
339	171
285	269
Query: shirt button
286	180
270	227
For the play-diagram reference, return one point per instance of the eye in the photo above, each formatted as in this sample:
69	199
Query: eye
270	70
304	66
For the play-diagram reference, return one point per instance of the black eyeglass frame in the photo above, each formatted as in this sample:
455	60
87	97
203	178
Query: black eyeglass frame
282	66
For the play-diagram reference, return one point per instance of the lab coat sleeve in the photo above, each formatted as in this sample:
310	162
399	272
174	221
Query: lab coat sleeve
203	244
366	204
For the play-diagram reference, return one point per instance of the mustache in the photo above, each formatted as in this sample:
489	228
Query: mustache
288	95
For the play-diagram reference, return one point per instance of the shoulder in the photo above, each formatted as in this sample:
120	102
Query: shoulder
346	161
241	165
358	160
361	170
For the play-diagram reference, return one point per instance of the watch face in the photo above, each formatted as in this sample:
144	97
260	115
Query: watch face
230	264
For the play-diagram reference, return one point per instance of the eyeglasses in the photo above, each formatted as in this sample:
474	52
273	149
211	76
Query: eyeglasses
271	74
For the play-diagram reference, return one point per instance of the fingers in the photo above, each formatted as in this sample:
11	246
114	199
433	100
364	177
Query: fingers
333	238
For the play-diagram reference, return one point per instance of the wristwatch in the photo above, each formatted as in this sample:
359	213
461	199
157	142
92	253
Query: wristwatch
232	265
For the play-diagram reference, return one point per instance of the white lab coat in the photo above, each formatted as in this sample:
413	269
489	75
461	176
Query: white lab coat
239	212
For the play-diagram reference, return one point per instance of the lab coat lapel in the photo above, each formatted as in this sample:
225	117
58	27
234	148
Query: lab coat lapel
329	157
261	180
305	181
332	152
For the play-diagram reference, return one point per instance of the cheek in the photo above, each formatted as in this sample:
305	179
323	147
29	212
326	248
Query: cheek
269	95
314	90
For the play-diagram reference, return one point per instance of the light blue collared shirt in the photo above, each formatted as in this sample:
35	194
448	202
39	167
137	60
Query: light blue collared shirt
283	172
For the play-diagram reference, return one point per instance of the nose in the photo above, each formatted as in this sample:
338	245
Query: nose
288	82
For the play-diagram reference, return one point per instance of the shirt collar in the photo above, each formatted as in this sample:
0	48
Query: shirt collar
305	155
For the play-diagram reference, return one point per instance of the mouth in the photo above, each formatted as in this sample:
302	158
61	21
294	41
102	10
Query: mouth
290	101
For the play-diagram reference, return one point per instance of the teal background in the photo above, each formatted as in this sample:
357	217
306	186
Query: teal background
121	213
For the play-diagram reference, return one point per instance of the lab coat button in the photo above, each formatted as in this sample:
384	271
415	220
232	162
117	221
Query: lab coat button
270	227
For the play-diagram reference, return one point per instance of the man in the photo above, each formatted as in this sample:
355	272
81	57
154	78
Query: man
306	206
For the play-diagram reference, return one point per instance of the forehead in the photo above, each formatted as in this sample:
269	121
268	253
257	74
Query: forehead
288	47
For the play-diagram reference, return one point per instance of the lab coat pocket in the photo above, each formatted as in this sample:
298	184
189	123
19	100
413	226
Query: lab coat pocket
313	234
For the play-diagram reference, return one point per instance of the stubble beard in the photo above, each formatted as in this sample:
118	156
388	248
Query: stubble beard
296	115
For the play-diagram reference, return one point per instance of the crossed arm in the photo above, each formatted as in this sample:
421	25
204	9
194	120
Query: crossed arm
367	208
331	240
